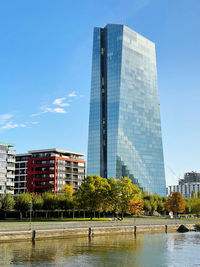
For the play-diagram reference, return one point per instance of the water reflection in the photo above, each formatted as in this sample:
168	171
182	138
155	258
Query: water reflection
117	250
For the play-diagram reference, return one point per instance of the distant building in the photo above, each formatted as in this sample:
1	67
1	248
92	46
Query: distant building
124	125
21	172
190	183
7	168
44	170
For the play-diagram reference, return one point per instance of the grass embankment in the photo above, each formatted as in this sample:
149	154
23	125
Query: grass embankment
57	220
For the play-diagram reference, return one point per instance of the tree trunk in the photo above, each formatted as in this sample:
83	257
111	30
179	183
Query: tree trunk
20	214
91	215
94	214
84	214
73	214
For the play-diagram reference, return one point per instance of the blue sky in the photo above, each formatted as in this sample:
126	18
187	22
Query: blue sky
45	72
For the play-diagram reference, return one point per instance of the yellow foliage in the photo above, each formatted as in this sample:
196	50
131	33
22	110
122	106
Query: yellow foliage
68	190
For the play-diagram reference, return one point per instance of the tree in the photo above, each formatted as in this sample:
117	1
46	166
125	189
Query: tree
136	208
175	203
64	202
196	206
50	201
188	204
37	202
7	202
147	206
150	202
67	190
129	193
92	194
23	203
114	195
193	194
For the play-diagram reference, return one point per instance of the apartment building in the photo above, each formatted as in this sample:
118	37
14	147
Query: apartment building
7	168
44	170
190	183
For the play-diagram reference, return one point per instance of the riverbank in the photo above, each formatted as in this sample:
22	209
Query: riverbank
91	229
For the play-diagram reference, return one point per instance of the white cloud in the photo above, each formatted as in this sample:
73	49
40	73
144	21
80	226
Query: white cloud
38	114
5	117
54	110
59	102
72	94
57	110
34	122
12	125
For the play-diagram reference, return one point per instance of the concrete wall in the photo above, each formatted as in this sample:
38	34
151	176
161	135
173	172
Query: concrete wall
82	232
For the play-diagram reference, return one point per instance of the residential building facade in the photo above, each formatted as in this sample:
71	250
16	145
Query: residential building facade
44	170
124	122
21	166
190	183
7	168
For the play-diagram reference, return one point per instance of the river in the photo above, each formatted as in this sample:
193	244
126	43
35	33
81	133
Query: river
142	250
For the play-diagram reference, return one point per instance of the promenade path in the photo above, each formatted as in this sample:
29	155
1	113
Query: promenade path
24	226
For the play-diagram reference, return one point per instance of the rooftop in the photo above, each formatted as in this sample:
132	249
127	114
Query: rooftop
56	150
7	144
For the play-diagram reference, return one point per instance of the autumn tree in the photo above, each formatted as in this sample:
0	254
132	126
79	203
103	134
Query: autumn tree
67	190
129	193
175	203
136	208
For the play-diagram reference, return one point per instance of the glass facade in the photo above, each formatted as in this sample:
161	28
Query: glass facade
124	125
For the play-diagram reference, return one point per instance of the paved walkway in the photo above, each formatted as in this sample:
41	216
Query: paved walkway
24	226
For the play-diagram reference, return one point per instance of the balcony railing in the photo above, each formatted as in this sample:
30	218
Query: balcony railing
10	168
9	183
11	160
12	176
11	152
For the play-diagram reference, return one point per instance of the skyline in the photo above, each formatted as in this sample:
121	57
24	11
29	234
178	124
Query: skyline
45	86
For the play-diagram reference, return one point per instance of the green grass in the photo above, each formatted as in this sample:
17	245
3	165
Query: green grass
55	220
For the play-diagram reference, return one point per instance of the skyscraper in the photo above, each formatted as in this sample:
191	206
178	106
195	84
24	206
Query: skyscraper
124	124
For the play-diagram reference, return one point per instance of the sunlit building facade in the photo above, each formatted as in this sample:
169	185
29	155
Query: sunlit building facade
7	168
124	124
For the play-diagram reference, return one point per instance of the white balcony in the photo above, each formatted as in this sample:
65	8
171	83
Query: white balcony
12	176
10	168
11	160
11	152
9	183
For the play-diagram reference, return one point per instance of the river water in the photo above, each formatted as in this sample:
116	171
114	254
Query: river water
172	249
